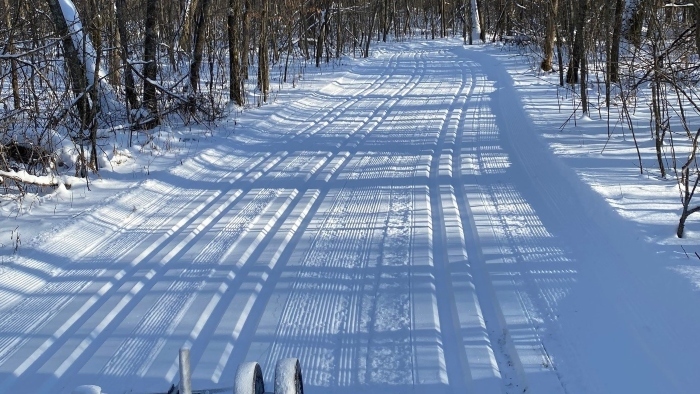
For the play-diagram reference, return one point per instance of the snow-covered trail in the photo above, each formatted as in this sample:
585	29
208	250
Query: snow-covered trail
401	230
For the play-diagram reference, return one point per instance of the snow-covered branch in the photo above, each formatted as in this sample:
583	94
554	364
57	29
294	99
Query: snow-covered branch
38	180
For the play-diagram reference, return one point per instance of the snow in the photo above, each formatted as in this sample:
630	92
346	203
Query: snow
412	222
244	381
286	375
87	389
82	43
81	40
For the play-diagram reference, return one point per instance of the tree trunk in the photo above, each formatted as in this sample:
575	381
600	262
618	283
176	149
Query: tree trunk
338	31
14	79
236	88
198	40
548	47
578	50
475	27
443	20
385	20
246	40
465	23
321	38
129	84
263	66
614	58
150	68
632	19
371	29
482	21
76	68
560	58
656	103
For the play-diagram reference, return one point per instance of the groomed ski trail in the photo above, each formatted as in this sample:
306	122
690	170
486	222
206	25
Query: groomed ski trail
395	231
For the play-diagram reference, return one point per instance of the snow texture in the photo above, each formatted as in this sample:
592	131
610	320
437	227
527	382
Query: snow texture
84	46
244	382
87	389
286	372
415	222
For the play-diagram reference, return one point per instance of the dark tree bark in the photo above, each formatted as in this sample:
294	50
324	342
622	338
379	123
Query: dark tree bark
338	31
245	44
386	20
466	22
614	57
633	23
371	29
572	76
198	40
482	20
321	37
14	79
236	87
548	47
263	62
150	68
129	84
443	20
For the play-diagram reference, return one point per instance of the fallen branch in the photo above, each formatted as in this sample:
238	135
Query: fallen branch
43	180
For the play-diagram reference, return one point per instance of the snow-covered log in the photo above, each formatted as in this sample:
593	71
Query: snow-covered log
42	180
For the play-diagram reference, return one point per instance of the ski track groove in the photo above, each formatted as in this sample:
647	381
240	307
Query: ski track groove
163	215
334	169
506	211
290	318
510	369
271	260
43	301
447	251
183	291
143	221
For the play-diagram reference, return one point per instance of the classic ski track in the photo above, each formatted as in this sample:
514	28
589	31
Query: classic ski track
285	246
443	252
530	298
250	255
232	272
132	298
448	319
338	202
43	352
510	370
345	155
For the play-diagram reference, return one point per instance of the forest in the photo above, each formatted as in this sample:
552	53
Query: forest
75	74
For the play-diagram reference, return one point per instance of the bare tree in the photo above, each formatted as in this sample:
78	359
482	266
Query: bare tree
198	43
76	67
552	10
236	87
150	67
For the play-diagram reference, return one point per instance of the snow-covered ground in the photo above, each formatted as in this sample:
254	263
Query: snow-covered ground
413	222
